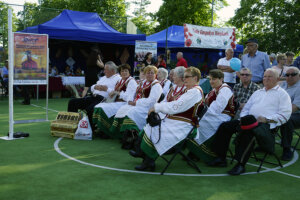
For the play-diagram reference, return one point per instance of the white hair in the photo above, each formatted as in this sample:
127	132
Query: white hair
112	66
179	71
164	72
229	49
296	70
274	71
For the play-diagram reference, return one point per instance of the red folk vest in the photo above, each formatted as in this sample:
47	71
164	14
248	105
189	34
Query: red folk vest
190	115
143	90
212	96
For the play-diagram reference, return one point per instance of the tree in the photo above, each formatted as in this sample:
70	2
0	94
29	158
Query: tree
275	23
142	18
4	24
178	12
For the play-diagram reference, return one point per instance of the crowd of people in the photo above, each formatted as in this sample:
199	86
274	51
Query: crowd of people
265	97
264	93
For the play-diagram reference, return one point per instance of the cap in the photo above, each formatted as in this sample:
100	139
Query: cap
253	40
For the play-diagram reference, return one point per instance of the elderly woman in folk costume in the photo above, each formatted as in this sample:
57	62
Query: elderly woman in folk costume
181	116
124	92
221	108
131	118
162	77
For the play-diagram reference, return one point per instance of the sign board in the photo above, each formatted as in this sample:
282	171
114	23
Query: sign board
30	58
141	49
209	37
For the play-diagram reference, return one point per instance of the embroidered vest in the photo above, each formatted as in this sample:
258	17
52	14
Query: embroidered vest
143	90
212	96
190	115
174	95
122	85
162	83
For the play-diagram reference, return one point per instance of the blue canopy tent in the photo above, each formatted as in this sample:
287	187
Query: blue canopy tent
83	26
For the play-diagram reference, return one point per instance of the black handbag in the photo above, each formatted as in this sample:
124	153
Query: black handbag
154	120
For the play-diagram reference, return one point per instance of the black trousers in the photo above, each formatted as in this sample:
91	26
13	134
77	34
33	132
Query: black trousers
288	128
223	136
86	103
244	145
26	93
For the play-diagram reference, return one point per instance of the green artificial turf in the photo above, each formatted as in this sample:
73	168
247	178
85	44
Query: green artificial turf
31	169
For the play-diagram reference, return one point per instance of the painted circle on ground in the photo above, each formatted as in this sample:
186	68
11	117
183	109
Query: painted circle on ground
265	169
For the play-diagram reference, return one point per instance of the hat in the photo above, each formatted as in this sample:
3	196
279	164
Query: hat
253	40
248	122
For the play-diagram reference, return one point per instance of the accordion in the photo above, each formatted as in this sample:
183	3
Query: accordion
65	124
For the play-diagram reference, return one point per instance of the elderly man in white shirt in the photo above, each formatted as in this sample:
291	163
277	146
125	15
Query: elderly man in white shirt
100	90
270	105
224	66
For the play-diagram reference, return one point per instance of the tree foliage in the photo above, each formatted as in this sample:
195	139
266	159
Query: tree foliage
178	12
143	19
4	24
275	23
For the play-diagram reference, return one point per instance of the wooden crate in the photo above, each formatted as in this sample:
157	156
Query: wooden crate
65	124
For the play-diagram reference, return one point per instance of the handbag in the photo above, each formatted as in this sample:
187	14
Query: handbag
153	120
264	137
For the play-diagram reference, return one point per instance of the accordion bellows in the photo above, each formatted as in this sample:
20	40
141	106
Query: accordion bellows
65	124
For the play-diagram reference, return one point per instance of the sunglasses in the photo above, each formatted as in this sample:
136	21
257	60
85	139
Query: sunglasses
245	74
292	74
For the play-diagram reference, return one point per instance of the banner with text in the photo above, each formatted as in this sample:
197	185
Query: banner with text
209	37
141	49
30	58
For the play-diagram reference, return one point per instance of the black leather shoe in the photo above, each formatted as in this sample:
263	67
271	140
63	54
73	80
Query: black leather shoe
287	154
103	135
25	103
136	154
237	170
148	164
218	162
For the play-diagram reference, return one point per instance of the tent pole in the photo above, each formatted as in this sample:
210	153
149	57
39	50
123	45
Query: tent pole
166	49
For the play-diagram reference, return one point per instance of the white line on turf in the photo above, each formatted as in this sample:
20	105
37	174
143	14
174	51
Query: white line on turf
56	147
44	108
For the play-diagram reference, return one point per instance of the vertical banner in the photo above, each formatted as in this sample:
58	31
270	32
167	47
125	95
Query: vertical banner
209	37
30	59
141	49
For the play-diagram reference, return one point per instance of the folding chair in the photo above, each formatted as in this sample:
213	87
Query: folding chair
179	150
295	146
263	159
180	147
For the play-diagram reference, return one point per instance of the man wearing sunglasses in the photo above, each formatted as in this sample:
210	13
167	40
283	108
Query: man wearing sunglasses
292	87
243	90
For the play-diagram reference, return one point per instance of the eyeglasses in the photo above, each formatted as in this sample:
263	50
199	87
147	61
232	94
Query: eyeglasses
245	74
292	74
187	76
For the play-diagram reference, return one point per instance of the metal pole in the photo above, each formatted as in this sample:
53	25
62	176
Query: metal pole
166	49
11	75
37	92
47	78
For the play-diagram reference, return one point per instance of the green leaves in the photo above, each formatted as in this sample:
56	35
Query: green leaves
275	23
